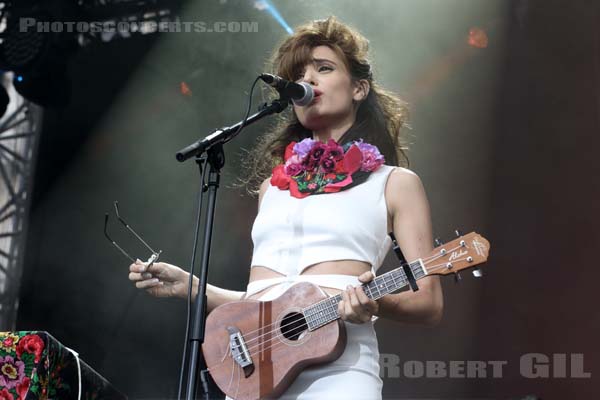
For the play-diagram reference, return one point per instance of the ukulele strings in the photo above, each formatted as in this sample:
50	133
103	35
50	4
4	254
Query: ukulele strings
301	327
303	315
274	344
277	335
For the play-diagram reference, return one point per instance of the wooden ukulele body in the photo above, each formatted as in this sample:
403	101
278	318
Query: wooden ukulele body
277	344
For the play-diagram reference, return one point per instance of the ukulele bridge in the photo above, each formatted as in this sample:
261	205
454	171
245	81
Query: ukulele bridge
239	351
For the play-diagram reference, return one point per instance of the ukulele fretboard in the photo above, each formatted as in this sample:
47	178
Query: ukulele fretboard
326	311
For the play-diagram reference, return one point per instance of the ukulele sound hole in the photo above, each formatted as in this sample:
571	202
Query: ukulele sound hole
293	326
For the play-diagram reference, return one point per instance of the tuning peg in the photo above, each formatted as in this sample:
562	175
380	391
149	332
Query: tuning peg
457	233
438	242
457	277
477	273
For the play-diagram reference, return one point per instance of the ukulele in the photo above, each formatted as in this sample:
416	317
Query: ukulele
255	349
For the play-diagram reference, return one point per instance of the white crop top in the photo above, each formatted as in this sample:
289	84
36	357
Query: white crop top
290	234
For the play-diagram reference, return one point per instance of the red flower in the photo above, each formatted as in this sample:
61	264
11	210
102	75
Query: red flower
314	156
352	160
23	387
328	165
289	151
293	166
333	150
6	395
31	344
279	178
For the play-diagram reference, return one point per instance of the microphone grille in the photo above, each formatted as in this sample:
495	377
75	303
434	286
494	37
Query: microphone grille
308	96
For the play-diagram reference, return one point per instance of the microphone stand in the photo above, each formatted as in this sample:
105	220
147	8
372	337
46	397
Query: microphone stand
213	146
223	135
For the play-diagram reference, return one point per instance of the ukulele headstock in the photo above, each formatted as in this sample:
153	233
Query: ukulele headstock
464	252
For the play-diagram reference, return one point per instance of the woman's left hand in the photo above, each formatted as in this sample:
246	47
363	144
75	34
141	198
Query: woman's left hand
355	306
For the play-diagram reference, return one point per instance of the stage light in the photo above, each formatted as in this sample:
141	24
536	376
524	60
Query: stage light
266	5
36	56
22	49
477	38
185	89
47	87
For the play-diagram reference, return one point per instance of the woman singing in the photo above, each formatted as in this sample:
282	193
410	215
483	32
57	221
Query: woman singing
334	188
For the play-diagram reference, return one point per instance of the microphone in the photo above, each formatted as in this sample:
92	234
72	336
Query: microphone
300	93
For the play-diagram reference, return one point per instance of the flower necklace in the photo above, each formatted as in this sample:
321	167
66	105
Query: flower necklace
313	167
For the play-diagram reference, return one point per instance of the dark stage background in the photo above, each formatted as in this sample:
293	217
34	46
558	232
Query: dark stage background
504	138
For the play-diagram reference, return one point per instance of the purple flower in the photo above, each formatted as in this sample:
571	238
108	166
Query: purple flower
11	372
293	166
302	148
372	158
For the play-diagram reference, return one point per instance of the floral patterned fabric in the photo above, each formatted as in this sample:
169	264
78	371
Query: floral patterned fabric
313	167
34	365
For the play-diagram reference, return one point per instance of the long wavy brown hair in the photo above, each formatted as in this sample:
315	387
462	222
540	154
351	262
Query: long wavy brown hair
379	118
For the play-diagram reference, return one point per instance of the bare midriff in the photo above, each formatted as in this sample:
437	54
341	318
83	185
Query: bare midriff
338	267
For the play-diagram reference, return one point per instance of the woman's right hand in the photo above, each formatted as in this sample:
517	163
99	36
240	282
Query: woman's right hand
161	279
